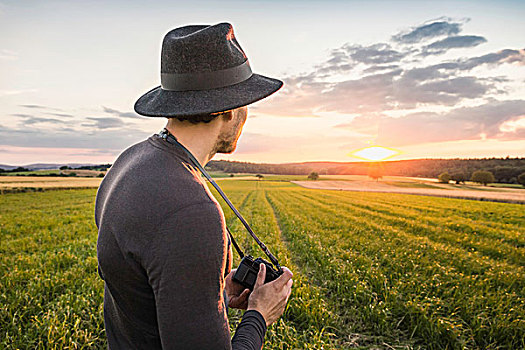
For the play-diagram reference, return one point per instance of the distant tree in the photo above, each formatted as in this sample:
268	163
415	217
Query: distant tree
64	167
521	179
375	171
313	176
482	177
444	178
259	176
100	175
72	174
459	177
19	169
232	175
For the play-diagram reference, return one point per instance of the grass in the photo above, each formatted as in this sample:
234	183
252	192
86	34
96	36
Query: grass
50	293
33	172
371	270
503	185
411	184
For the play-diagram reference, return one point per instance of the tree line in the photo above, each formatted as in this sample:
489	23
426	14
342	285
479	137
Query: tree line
504	170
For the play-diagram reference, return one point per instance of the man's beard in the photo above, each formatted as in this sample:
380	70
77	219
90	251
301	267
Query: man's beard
228	143
224	146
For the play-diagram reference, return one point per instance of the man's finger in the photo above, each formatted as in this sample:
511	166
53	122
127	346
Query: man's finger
261	276
284	278
289	284
244	294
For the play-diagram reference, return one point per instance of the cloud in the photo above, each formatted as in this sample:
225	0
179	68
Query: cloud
257	143
8	55
373	54
347	57
453	42
31	120
98	152
103	123
339	62
410	92
267	146
389	76
465	123
65	115
119	113
32	106
374	93
373	69
427	31
100	139
508	56
16	92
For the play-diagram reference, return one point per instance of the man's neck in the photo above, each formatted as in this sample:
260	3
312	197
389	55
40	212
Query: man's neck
199	141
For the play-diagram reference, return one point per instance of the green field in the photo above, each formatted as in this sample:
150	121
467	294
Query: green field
34	172
371	270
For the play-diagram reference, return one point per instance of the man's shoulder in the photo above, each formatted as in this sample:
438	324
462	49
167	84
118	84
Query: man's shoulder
145	161
148	180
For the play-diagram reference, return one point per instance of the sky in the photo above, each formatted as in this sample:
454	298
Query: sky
430	79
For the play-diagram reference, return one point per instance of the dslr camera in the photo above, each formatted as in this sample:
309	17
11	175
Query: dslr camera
248	269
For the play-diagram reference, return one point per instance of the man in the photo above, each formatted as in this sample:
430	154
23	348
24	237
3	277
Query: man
163	249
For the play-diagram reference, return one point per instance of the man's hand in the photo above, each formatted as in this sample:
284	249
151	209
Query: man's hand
270	299
237	295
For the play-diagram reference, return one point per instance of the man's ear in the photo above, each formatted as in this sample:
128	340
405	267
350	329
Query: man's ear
228	115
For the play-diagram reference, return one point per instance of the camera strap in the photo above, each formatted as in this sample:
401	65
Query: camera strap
167	136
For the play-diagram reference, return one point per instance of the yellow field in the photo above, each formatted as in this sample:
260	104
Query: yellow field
371	270
9	182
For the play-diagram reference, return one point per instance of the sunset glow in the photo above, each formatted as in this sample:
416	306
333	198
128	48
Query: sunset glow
445	81
375	153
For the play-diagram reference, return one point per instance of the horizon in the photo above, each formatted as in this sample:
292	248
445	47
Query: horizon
284	163
444	82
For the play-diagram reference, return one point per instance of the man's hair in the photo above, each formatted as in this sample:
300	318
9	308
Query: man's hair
200	118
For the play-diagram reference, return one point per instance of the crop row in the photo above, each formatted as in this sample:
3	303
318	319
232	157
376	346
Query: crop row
406	277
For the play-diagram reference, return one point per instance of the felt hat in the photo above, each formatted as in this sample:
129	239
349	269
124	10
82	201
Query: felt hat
203	70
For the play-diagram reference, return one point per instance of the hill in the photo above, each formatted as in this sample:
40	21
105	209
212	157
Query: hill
505	170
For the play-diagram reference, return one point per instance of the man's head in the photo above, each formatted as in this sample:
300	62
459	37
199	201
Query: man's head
224	127
203	70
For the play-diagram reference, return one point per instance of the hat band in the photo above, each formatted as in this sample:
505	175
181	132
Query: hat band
205	80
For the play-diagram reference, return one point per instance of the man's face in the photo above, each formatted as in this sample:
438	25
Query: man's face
231	131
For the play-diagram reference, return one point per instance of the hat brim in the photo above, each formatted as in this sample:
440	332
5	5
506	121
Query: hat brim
165	103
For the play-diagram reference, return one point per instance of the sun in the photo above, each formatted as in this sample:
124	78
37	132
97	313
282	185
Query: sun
375	153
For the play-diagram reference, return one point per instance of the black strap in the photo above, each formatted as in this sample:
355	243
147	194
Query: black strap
167	136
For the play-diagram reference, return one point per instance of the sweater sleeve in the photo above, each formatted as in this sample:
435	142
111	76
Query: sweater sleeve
250	332
185	265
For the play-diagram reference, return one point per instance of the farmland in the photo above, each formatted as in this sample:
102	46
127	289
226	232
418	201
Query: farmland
371	270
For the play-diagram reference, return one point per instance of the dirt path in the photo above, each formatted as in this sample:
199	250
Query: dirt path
495	195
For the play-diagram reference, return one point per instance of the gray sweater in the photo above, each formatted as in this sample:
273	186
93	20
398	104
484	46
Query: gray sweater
163	252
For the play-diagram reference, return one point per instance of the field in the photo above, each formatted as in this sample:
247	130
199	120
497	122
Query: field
26	183
85	179
421	187
371	270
